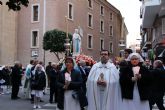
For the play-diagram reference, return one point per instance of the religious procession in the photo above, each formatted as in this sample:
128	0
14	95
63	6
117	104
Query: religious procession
80	83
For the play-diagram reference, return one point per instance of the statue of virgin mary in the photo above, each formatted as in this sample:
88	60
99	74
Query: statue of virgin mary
76	43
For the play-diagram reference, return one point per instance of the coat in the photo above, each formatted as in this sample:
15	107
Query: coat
16	75
127	85
75	84
157	87
53	77
38	81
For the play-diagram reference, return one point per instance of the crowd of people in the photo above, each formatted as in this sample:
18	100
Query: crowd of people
132	83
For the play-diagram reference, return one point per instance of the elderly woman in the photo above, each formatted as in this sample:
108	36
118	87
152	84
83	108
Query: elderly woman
135	84
38	83
69	84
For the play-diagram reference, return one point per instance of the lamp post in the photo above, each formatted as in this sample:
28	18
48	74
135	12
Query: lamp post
140	42
67	43
122	46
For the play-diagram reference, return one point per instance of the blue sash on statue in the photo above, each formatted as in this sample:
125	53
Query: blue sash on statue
77	45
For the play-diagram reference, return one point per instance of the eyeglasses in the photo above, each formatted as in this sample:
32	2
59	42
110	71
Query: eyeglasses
104	54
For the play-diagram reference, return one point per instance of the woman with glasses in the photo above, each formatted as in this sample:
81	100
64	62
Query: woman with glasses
135	84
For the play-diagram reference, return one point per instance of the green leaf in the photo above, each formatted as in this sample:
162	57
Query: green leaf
15	5
54	40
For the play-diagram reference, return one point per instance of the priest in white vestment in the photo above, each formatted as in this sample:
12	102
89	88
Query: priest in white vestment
103	90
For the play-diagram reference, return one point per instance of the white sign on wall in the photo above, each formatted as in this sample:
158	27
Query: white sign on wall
34	53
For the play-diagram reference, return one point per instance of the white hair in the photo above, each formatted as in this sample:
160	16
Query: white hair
157	63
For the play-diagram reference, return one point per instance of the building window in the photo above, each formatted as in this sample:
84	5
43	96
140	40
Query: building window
102	26
111	31
102	10
90	42
111	16
34	39
70	11
90	20
90	3
101	44
111	47
163	25
35	13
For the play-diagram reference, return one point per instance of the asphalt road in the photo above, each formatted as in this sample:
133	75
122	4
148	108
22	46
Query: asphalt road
23	104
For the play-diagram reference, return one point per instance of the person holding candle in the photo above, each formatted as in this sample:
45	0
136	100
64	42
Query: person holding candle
69	83
135	81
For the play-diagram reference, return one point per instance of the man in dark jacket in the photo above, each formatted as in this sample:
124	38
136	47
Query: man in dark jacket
48	71
53	89
16	76
157	88
147	64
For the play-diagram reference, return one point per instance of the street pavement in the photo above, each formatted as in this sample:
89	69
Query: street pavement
24	104
156	108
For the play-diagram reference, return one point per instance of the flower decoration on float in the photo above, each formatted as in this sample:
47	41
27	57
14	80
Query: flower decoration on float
85	58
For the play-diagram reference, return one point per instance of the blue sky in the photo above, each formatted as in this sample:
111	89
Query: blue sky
130	10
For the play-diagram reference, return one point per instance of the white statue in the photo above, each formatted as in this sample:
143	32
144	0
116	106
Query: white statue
76	43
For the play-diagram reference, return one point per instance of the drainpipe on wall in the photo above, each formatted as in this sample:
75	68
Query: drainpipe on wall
44	24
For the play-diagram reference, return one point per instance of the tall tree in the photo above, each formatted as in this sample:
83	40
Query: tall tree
15	5
54	41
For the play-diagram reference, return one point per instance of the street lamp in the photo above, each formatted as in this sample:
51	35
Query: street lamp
67	46
122	47
67	43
